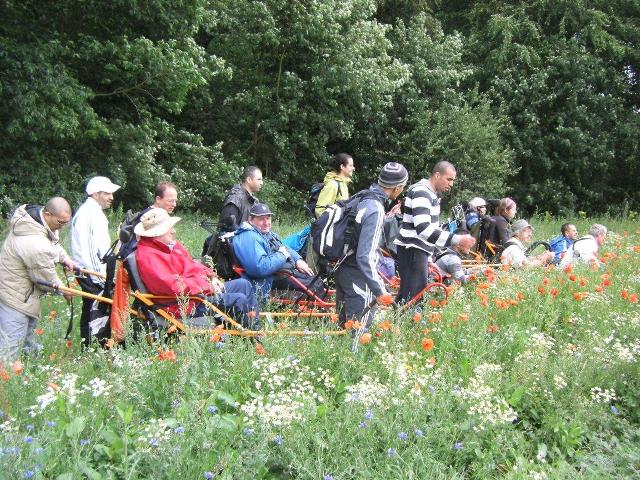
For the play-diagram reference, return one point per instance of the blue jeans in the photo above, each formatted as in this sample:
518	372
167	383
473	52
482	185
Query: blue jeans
238	299
16	328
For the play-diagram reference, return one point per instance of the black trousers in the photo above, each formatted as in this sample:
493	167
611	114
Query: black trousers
413	267
96	289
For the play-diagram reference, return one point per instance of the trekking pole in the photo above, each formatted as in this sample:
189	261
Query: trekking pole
84	271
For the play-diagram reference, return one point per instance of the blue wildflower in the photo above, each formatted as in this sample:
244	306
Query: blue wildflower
362	425
29	427
29	473
154	442
38	450
219	345
291	358
418	432
51	423
247	431
368	415
327	477
458	446
179	429
28	439
1	414
325	338
614	410
278	440
208	475
85	441
212	409
402	435
392	452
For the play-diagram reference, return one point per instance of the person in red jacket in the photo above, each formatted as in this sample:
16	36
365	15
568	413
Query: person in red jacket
166	268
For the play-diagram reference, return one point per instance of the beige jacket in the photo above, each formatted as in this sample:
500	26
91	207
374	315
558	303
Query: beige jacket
30	253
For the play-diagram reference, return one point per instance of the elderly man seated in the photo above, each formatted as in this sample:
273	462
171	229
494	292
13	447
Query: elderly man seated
514	252
449	263
585	249
261	253
166	268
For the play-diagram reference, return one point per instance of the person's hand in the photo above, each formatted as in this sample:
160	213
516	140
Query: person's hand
217	285
283	250
68	264
302	267
394	210
546	257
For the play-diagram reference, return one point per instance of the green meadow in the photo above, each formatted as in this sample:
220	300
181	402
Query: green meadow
520	374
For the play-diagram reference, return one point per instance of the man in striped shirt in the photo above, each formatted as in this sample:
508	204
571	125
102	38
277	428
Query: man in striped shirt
420	231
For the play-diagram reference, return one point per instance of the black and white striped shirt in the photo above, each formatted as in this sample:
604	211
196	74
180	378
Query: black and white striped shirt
421	220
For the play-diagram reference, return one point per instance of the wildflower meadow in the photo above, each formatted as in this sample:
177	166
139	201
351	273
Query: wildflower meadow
519	374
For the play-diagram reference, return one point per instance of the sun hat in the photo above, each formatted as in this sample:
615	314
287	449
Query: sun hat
392	175
101	184
259	210
519	226
154	223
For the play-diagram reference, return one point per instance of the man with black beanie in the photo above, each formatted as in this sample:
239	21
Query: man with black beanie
357	280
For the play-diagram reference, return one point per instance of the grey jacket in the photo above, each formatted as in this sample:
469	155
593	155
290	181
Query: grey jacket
369	228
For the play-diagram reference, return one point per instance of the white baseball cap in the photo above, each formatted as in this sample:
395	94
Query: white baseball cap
101	184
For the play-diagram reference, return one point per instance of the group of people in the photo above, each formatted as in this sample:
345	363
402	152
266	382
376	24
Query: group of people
32	248
510	238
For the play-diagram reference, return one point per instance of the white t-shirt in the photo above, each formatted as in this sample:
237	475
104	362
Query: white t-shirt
585	249
90	239
514	253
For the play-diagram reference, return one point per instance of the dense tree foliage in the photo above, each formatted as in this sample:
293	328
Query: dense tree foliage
535	99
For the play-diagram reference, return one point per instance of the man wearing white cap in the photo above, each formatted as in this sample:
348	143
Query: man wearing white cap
514	252
90	241
166	268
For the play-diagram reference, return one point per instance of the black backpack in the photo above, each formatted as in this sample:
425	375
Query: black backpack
333	232
314	193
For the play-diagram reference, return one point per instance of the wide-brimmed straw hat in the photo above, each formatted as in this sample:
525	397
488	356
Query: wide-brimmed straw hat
154	223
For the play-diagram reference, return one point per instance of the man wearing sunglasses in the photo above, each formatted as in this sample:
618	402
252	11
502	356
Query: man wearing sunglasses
29	254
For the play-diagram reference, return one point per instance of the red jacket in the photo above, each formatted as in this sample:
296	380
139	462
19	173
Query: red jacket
166	271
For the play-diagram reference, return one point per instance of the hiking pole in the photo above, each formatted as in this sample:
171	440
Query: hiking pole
84	271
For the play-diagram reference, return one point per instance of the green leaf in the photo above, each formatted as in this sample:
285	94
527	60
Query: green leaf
226	399
516	396
90	472
125	414
75	428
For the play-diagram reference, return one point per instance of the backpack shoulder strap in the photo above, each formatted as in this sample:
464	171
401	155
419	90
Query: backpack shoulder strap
445	253
508	243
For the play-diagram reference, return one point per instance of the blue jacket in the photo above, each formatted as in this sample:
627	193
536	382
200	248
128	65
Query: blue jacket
258	254
559	245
